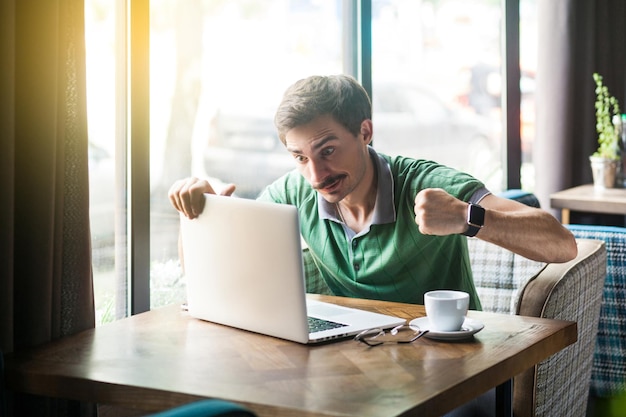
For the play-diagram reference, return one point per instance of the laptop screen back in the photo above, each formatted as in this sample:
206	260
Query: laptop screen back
243	265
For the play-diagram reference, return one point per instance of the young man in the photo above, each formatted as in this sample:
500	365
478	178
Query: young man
381	227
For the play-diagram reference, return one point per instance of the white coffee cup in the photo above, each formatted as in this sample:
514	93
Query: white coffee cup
446	309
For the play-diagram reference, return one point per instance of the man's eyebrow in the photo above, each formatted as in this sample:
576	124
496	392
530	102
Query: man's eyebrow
316	145
323	142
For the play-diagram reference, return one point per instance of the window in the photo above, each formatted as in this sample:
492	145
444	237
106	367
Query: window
528	66
107	190
436	83
217	71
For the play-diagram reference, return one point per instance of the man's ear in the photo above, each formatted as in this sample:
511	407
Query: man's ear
367	130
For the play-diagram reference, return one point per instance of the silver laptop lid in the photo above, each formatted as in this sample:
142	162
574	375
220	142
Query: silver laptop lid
243	266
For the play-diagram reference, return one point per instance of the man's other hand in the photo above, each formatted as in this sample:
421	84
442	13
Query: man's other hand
186	195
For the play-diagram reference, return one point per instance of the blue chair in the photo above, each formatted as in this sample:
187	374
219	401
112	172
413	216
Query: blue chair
522	196
608	377
207	408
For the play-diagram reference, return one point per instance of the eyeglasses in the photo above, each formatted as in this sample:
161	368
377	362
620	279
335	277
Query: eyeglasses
400	334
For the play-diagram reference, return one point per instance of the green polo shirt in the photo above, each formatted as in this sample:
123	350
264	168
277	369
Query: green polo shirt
391	260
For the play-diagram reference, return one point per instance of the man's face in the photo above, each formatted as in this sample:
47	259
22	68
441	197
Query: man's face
330	158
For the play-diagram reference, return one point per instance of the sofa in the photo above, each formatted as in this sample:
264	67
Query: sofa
509	283
608	375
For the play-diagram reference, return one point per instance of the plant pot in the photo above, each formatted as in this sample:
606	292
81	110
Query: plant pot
603	171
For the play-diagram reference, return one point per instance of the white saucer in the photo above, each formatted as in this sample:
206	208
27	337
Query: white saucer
470	328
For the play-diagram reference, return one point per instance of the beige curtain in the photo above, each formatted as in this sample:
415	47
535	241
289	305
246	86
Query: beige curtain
45	263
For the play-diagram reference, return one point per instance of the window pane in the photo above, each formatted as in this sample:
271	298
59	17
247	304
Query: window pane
436	83
528	64
106	172
218	71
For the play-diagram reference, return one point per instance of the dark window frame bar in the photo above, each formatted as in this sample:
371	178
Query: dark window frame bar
512	97
139	155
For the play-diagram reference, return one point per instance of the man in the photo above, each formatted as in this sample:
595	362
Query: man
381	227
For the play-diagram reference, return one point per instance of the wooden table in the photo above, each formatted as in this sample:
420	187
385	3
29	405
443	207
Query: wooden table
163	358
586	198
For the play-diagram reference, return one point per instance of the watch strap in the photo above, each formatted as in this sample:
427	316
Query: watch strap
471	230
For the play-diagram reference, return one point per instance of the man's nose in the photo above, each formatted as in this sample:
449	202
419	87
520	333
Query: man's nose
317	171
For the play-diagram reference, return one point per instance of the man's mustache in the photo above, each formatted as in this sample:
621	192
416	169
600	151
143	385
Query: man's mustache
327	182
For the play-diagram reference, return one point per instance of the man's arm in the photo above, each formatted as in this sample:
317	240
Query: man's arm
527	231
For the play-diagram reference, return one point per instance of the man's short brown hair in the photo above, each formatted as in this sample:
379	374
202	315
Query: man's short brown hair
341	96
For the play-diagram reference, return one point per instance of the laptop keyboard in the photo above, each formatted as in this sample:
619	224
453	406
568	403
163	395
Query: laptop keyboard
318	325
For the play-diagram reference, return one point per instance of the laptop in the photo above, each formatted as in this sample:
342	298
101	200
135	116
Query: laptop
243	266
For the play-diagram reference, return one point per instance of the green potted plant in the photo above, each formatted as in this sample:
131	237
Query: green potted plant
604	161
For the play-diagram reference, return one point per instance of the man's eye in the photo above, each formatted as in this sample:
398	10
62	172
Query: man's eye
299	158
328	151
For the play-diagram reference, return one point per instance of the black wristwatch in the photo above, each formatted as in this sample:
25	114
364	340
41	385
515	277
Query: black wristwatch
475	219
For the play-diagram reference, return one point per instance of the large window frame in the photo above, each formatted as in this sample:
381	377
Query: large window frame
357	44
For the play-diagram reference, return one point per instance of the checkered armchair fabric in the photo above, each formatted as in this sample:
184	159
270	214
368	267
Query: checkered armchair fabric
499	275
608	376
508	283
315	284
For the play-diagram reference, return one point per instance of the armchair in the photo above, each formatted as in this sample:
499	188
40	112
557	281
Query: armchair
509	283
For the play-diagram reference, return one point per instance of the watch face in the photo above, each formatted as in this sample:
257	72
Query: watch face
476	215
475	220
